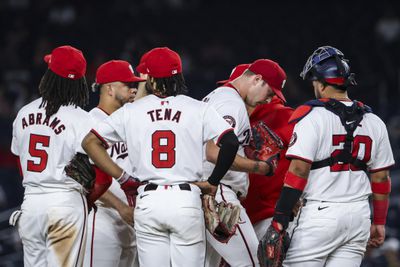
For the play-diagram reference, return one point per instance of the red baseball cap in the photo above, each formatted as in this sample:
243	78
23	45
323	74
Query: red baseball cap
67	61
271	73
116	71
162	62
142	64
236	72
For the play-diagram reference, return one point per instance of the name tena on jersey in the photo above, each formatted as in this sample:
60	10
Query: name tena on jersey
42	119
164	114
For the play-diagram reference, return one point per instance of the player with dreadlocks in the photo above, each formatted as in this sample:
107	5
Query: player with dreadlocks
47	133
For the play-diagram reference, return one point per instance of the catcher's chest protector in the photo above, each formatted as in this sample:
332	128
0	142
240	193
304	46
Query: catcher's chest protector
350	117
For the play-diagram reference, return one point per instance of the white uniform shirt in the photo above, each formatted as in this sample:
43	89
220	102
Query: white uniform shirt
119	154
320	133
165	136
230	105
46	145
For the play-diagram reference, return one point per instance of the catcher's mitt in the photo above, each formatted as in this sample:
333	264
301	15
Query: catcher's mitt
221	218
80	169
264	145
273	247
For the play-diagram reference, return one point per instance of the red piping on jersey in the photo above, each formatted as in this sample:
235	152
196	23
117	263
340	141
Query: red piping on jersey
247	246
103	110
105	144
381	169
290	157
92	241
230	85
223	133
83	230
241	233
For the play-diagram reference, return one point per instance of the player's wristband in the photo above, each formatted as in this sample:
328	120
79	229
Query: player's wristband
382	187
380	209
295	181
284	207
123	178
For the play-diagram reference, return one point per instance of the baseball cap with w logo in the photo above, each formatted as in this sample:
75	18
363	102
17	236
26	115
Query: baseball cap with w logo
67	61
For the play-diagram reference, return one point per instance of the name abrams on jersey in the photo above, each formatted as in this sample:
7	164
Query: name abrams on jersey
41	119
164	114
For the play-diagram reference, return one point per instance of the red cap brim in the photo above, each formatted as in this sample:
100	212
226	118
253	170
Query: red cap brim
136	79
279	94
141	68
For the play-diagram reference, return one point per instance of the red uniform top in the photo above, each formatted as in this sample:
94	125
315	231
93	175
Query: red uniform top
264	191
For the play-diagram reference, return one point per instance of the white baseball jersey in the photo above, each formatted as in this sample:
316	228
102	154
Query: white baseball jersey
320	134
45	145
165	136
119	154
229	104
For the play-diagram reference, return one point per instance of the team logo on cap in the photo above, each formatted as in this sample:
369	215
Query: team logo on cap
71	76
130	67
230	120
174	71
283	83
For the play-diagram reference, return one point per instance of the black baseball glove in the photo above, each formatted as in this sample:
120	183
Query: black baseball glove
273	247
80	169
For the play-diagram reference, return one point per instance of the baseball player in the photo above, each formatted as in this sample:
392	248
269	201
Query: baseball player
264	191
111	238
257	85
336	144
165	132
47	133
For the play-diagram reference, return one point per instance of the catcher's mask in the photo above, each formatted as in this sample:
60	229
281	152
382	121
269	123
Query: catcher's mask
328	65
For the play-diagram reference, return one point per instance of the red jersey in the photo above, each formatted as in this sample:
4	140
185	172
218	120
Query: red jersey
264	191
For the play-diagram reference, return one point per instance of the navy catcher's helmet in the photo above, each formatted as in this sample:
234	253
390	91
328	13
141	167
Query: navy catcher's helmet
328	65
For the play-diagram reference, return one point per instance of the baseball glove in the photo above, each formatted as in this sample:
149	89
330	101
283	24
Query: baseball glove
80	169
265	145
273	247
221	218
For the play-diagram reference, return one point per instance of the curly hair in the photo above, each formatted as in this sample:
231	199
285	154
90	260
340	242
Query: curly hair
171	86
57	91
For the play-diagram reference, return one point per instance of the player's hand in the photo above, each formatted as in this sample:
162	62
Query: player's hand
126	214
129	185
296	209
377	236
207	188
272	163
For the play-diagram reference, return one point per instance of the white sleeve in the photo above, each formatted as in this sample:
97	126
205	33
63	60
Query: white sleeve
82	129
111	130
383	158
304	142
14	142
230	112
214	126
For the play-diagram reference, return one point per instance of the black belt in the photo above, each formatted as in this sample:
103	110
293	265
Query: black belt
151	187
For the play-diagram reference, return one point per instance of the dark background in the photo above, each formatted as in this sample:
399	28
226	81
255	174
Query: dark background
211	37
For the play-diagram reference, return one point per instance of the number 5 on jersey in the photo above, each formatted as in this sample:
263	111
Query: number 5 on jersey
163	153
35	152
